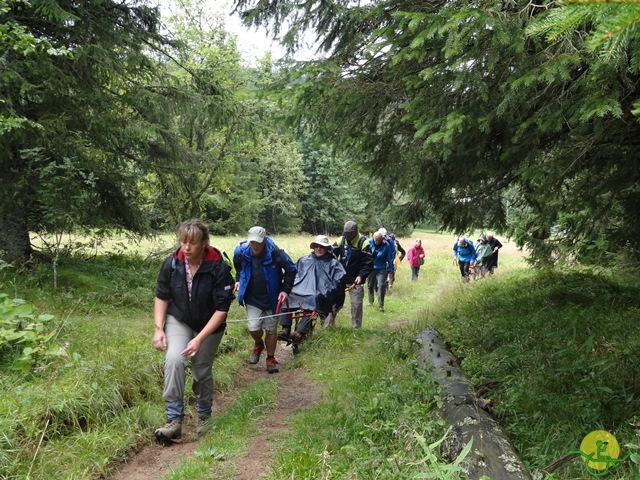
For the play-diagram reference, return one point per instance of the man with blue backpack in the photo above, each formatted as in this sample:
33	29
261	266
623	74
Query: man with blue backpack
264	276
465	254
384	253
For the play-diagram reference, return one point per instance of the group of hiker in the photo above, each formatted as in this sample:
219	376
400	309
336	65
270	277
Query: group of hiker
475	260
195	290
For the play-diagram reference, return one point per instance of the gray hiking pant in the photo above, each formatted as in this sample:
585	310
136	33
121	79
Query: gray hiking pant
356	296
175	365
377	282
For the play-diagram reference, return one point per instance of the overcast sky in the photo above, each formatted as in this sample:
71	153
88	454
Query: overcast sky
253	43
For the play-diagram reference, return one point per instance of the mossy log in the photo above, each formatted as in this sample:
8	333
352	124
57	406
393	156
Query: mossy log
491	454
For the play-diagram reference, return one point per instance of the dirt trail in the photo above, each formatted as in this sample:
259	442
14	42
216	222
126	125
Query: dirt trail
153	461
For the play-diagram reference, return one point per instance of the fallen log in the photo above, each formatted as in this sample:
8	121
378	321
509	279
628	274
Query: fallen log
491	454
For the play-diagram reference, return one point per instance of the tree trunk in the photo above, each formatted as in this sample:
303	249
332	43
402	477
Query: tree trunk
491	454
15	245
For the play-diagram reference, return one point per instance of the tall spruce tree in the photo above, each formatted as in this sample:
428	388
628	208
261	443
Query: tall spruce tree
72	159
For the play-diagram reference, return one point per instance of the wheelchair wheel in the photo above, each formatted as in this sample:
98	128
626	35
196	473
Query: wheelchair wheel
311	318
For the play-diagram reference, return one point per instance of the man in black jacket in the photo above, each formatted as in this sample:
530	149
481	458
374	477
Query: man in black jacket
495	245
353	253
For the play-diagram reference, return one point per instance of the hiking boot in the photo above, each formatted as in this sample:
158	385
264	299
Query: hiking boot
284	334
204	425
170	431
256	351
381	309
272	365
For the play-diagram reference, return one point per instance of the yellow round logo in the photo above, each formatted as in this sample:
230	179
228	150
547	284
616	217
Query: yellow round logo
599	448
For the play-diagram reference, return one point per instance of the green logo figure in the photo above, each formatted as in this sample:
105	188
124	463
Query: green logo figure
600	451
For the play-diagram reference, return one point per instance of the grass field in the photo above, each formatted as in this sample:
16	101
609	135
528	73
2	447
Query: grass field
562	347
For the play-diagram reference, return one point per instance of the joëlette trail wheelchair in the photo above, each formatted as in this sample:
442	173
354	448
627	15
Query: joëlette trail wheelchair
301	323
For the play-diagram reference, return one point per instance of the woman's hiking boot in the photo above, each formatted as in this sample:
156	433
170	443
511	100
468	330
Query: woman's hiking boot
171	430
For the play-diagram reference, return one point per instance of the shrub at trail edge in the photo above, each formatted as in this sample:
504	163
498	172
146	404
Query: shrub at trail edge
26	336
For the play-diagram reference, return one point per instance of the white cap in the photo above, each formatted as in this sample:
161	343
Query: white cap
257	234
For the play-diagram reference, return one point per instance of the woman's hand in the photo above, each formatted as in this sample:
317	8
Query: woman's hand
159	313
159	340
214	322
192	348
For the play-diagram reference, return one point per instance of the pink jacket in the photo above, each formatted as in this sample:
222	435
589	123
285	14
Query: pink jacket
413	254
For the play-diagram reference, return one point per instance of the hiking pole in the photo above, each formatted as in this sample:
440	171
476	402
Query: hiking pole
350	287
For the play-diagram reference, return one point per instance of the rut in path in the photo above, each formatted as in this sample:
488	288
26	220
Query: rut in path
154	461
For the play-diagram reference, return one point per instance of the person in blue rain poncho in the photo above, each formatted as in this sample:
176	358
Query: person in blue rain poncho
318	287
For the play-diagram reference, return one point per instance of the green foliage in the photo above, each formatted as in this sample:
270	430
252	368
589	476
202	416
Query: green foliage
112	281
283	180
96	402
76	157
432	464
330	194
230	163
16	38
375	408
108	124
612	28
27	341
562	347
508	116
201	118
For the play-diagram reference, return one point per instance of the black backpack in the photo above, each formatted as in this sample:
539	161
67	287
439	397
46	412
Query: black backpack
343	246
